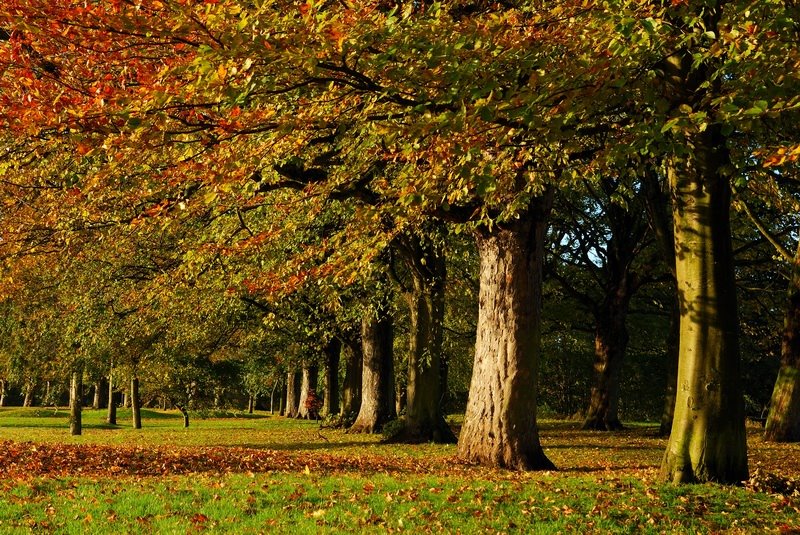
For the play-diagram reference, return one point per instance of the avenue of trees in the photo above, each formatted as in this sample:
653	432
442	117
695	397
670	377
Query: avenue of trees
376	212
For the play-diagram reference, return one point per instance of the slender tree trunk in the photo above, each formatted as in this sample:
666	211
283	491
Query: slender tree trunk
351	396
75	402
708	439
136	406
111	417
307	407
424	417
275	386
500	422
377	385
284	399
294	382
96	397
185	413
126	399
610	344
671	391
401	399
658	204
251	402
330	402
29	388
783	422
3	392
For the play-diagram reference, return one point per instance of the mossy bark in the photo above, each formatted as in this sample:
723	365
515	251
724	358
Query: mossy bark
500	426
424	420
708	439
783	422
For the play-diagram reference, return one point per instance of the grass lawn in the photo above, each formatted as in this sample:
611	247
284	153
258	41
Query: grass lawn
261	473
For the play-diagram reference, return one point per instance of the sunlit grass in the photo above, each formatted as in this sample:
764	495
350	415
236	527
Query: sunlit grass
605	483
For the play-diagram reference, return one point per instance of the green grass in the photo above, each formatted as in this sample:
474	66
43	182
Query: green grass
607	483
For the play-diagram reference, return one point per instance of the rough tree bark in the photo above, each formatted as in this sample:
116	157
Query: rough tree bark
351	391
136	404
424	420
308	393
500	422
75	402
783	421
377	384
330	401
707	441
293	382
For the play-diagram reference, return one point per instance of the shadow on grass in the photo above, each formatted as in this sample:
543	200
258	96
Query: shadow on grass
301	446
614	447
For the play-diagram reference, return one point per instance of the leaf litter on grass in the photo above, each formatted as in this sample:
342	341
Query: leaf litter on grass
606	482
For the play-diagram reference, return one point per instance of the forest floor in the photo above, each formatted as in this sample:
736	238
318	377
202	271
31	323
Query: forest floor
260	473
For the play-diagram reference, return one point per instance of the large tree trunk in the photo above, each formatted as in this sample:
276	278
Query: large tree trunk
75	402
424	419
308	407
783	422
351	395
293	382
330	402
500	422
377	374
136	403
708	439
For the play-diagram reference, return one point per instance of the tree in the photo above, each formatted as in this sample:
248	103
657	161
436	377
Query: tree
604	235
377	375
